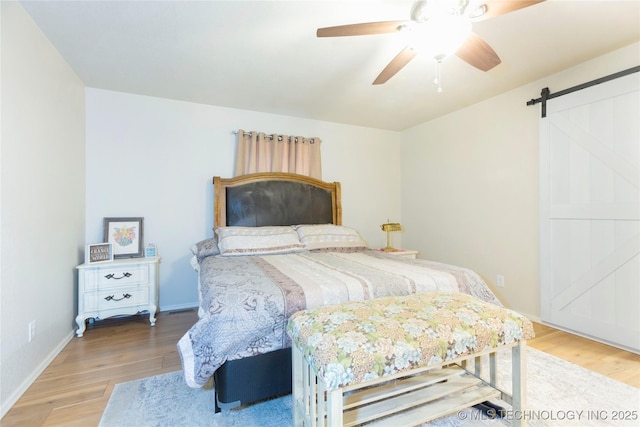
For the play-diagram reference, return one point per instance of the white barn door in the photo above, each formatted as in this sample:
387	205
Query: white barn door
590	212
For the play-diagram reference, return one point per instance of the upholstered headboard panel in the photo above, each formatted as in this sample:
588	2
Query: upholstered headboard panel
275	199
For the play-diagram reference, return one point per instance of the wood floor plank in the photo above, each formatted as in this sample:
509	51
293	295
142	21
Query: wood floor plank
88	379
87	413
604	359
75	388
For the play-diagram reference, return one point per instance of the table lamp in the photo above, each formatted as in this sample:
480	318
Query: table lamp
388	228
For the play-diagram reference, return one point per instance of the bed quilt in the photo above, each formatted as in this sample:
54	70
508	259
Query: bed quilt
246	301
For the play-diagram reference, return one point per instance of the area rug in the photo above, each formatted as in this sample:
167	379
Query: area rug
559	393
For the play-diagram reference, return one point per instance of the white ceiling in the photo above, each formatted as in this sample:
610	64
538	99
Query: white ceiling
264	55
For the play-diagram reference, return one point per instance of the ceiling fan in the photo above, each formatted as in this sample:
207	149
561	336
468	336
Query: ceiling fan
440	28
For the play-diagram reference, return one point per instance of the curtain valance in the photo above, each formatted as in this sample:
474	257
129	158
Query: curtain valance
260	152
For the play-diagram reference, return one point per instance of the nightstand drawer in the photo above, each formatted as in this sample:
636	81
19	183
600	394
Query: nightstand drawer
123	276
128	296
107	278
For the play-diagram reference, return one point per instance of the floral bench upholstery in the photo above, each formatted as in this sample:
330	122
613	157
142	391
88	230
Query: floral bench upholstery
376	346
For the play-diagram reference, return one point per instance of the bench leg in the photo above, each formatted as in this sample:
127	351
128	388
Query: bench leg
297	394
493	369
334	408
518	382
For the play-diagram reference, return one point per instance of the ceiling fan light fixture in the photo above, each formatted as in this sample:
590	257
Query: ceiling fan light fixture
477	12
423	10
441	35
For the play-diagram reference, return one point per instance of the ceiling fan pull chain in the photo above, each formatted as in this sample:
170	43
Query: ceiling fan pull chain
438	79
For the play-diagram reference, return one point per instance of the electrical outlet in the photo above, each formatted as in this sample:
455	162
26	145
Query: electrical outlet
32	330
500	281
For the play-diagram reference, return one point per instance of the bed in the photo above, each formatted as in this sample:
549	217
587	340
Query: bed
280	247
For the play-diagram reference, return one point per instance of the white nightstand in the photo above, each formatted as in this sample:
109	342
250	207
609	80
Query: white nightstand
123	286
405	253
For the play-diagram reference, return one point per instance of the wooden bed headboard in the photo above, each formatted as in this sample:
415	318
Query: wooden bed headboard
274	198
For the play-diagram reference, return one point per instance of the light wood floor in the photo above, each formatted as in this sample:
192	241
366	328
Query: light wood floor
75	388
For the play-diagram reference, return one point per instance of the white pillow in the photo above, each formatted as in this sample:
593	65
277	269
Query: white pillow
233	241
330	236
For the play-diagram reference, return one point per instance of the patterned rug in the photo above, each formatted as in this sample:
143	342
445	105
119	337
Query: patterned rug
559	394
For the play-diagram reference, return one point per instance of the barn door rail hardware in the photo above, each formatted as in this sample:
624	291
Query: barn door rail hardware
546	94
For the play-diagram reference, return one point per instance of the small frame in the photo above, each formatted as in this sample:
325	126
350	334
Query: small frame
98	252
126	236
150	250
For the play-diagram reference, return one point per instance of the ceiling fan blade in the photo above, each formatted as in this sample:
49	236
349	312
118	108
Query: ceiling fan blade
362	29
478	53
501	7
395	65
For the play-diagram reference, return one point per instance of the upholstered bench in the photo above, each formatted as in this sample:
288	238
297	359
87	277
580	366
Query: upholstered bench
402	361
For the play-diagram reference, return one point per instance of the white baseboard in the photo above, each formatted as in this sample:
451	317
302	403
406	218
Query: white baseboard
177	307
11	400
591	337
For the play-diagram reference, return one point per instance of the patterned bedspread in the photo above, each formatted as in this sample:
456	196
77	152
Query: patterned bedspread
246	301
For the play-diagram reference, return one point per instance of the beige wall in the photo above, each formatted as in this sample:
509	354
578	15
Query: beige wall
470	183
42	193
182	145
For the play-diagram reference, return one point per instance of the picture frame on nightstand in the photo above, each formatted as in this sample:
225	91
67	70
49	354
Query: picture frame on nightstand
150	250
126	236
98	252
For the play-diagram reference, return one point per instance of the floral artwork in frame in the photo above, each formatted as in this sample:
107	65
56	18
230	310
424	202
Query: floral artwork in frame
126	236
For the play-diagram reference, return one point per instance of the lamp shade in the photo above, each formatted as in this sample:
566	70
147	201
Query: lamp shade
391	226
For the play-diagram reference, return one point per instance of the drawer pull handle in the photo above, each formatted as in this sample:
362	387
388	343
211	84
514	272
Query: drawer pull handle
111	297
113	276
